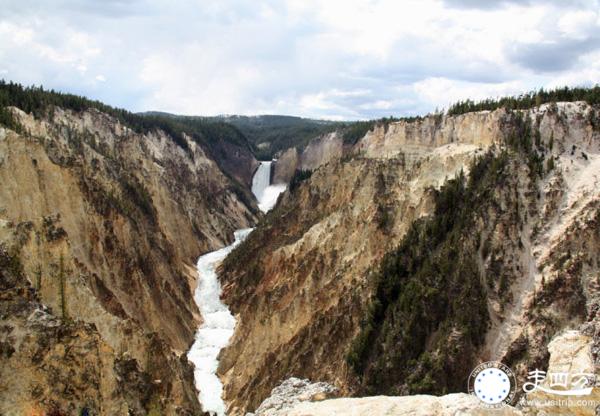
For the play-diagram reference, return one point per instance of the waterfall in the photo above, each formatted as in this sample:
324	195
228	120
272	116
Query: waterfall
218	322
265	193
261	179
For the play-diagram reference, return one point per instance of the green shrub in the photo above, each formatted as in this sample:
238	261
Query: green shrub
8	120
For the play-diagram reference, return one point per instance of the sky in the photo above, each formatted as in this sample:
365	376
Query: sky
333	59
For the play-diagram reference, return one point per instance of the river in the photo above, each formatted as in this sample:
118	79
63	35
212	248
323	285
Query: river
218	322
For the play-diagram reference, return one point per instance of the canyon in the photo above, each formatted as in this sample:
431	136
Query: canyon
218	326
152	272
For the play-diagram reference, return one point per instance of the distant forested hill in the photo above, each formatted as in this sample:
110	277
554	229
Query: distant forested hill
38	101
272	133
268	133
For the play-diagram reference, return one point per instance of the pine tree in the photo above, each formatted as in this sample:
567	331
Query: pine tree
61	288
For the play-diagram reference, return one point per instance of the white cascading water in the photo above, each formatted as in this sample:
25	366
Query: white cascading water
218	322
265	193
261	179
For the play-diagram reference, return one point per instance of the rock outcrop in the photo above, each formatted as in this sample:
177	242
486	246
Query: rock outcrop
291	392
319	151
413	137
571	353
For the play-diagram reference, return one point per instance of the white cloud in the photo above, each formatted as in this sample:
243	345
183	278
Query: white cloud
442	91
579	24
377	105
333	59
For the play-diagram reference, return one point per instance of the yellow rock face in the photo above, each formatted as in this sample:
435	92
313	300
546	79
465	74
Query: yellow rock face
108	225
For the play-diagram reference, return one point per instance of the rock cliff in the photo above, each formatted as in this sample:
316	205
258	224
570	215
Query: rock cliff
319	151
304	282
106	224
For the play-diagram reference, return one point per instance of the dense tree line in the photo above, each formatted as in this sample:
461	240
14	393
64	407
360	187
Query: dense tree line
41	102
529	100
352	132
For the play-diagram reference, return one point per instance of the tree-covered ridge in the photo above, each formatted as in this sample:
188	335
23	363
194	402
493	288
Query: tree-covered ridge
265	135
40	102
528	100
271	134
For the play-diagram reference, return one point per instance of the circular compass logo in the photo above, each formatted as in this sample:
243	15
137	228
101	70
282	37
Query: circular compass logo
493	383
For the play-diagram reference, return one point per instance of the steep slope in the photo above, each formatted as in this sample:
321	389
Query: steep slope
570	352
107	223
315	250
305	281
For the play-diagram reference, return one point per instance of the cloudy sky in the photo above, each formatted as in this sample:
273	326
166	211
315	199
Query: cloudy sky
340	59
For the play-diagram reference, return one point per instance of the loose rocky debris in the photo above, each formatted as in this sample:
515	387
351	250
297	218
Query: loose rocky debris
291	392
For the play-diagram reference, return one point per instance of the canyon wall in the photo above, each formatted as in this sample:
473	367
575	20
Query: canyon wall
105	225
304	282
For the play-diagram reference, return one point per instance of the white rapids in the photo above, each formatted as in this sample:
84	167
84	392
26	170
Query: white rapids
218	322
